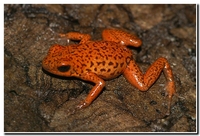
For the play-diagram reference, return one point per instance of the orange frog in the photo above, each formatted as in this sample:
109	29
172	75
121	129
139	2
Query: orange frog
96	61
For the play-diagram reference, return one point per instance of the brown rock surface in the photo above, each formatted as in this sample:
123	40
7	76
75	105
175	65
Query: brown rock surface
36	101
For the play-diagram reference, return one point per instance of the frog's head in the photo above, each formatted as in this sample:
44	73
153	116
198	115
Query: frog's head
57	61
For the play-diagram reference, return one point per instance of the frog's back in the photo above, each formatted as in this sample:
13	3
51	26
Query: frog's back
105	59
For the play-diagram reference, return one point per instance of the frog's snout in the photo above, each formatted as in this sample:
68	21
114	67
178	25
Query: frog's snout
136	43
45	63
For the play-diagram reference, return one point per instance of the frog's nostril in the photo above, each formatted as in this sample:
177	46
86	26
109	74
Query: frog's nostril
64	68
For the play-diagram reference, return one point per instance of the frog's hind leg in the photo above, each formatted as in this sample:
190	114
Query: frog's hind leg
144	81
121	37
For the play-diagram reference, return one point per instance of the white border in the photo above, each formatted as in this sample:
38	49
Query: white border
75	2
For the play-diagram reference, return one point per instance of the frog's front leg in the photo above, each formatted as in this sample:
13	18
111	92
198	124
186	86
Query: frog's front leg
77	36
144	81
99	85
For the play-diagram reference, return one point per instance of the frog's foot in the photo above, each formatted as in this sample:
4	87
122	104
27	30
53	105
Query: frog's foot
83	38
99	84
170	92
62	35
83	104
180	97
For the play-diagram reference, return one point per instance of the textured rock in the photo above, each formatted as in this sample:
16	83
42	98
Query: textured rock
37	101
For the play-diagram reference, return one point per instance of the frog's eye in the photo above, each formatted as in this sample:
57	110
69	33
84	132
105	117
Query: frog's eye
64	68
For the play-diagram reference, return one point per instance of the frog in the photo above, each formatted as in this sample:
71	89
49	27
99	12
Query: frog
97	61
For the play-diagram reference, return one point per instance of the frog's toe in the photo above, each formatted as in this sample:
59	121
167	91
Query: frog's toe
82	105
